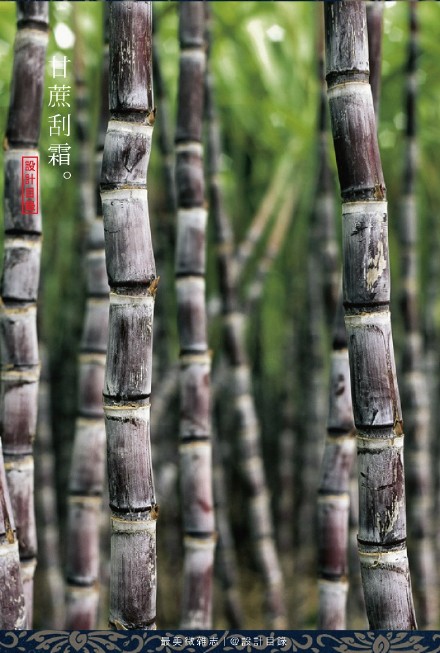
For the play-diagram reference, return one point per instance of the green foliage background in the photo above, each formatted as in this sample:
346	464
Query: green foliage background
264	63
266	92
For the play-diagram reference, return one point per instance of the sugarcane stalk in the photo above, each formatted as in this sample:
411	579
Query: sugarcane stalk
164	136
286	474
337	513
194	430
321	286
325	228
19	288
12	604
355	601
164	228
133	284
169	383
88	458
49	583
340	444
414	381
366	273
334	487
226	553
431	365
375	29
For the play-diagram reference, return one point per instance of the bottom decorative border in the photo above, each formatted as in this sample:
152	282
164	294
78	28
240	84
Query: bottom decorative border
162	641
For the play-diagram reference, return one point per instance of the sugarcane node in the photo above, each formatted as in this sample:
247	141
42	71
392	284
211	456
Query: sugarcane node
154	511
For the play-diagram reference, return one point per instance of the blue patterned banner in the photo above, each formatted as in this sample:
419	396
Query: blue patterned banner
136	641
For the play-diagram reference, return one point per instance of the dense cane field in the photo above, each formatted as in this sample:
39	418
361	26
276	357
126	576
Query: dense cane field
250	152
